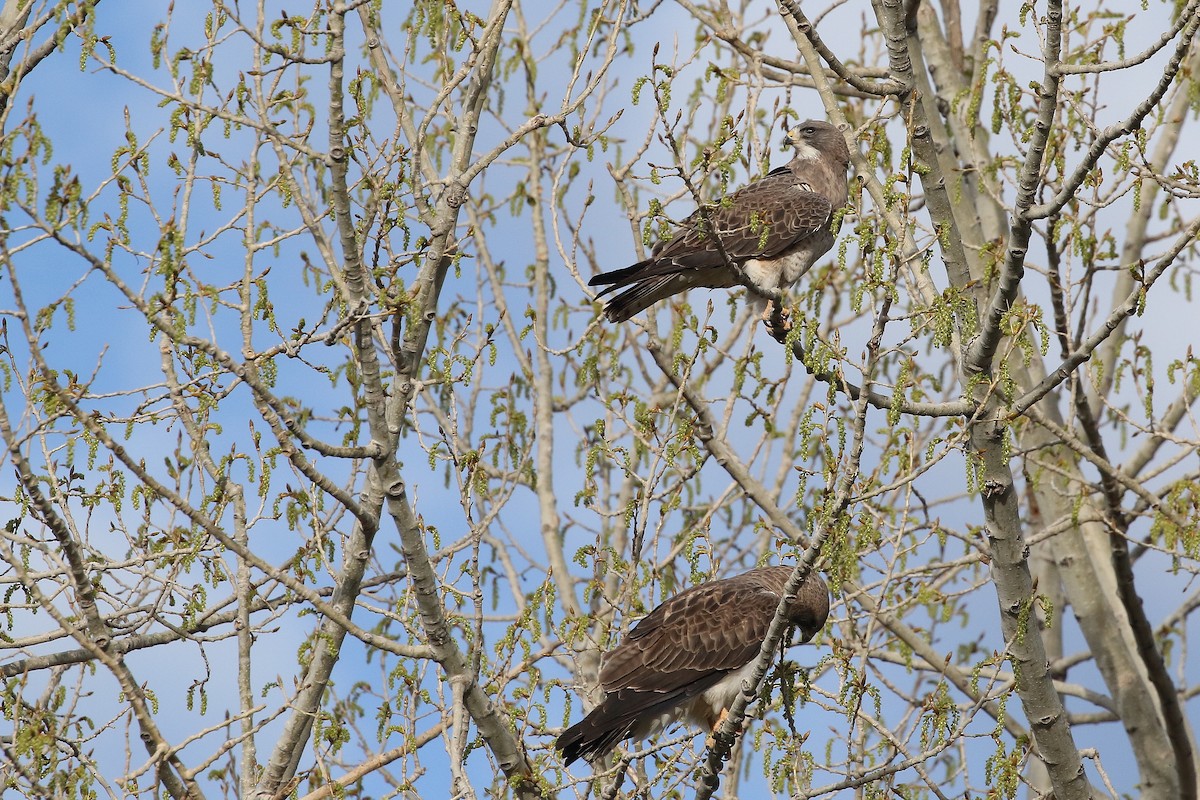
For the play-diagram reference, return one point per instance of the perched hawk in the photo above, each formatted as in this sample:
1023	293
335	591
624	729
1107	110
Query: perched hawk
775	229
686	659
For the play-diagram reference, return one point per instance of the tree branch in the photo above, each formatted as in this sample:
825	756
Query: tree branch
1110	134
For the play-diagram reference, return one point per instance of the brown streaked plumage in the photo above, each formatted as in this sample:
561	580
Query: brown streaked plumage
775	229
687	658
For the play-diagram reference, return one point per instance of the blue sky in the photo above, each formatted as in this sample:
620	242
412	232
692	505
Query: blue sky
83	112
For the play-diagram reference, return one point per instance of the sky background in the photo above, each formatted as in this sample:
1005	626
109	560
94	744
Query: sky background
83	113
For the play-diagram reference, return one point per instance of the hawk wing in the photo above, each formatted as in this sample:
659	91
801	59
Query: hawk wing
710	629
760	221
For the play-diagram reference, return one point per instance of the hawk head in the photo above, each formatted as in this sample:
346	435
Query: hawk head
816	139
810	609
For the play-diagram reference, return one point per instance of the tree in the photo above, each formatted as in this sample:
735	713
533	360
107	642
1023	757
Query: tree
324	476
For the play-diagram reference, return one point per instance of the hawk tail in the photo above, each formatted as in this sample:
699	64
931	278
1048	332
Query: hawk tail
630	713
591	738
619	278
643	285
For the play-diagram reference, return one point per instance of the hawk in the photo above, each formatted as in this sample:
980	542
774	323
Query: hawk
687	658
774	229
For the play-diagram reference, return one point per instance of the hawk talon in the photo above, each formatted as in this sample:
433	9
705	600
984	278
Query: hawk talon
778	319
710	741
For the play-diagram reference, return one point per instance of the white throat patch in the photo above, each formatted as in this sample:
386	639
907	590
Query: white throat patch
806	151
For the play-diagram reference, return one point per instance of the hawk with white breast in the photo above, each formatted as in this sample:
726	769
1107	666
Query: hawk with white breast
773	230
687	658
